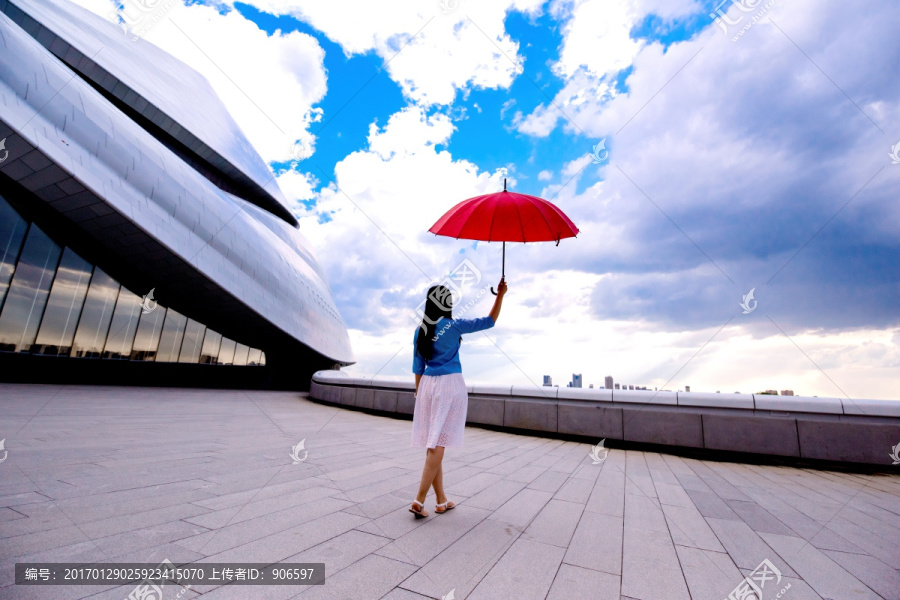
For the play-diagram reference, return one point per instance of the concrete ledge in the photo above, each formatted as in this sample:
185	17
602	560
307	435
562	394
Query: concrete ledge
706	399
406	403
663	425
533	391
591	419
348	396
586	394
645	397
826	406
861	439
530	413
484	410
871	408
862	431
492	390
365	398
748	433
384	400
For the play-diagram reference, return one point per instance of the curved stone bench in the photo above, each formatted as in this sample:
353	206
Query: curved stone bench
860	431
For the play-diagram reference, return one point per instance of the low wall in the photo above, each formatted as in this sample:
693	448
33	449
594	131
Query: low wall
859	431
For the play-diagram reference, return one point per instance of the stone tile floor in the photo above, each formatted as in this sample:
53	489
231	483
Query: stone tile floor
142	475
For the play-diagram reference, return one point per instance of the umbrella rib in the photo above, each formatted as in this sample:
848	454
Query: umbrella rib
540	212
521	224
493	217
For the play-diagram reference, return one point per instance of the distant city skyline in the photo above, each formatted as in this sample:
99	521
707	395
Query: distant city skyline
610	384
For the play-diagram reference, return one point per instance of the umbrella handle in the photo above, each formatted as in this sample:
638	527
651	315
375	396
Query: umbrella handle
503	273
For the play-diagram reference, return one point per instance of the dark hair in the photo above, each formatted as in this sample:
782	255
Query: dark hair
439	303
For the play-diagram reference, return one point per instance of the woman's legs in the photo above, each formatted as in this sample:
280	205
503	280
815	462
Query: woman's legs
438	484
432	469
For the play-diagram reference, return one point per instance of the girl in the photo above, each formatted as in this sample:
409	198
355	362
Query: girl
441	397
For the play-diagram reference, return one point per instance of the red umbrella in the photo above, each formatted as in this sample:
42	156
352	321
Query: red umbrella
505	217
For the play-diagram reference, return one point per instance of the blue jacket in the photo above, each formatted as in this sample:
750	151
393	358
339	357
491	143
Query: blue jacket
445	359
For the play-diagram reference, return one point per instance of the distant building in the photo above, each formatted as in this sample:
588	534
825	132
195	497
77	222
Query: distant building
591	386
768	393
617	386
630	387
548	381
576	380
687	388
608	382
787	392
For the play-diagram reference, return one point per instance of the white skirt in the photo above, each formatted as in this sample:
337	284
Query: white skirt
439	418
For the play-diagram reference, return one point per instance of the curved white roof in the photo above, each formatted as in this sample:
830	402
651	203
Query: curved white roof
169	93
256	257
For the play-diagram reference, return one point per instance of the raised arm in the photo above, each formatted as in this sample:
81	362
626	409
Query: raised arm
498	301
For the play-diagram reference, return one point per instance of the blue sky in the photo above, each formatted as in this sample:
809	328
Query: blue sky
738	161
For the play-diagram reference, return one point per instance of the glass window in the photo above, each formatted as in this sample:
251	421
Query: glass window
146	340
28	292
262	359
240	354
90	337
253	357
193	340
172	335
64	306
226	352
124	324
12	233
210	351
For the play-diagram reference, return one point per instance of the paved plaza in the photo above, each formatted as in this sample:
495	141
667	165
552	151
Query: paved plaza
143	475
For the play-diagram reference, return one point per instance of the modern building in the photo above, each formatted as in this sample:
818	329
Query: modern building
617	386
608	382
576	380
548	381
787	392
142	238
687	388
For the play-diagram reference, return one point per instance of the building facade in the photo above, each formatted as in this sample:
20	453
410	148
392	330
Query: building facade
142	238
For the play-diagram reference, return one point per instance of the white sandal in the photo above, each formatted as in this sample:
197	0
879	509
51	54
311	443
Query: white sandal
420	514
449	504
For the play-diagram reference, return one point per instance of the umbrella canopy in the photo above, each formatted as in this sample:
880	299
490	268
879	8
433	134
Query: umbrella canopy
505	217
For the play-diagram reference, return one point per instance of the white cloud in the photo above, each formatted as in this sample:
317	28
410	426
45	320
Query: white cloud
297	185
545	175
269	83
431	54
597	36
